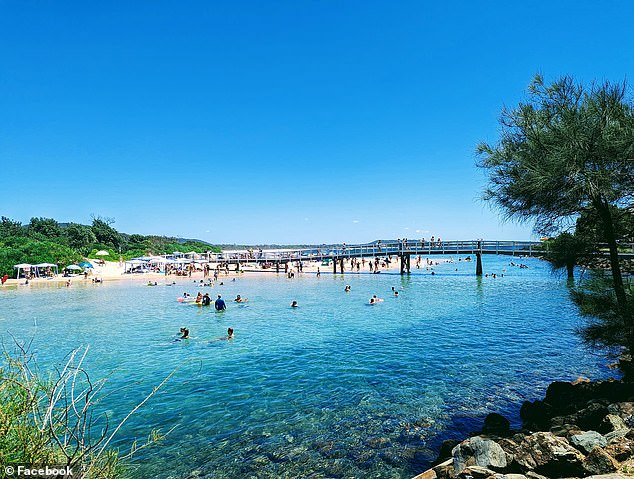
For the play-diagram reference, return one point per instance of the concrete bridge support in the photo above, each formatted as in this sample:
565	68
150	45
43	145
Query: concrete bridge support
479	259
405	262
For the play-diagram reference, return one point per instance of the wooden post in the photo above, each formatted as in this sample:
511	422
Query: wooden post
341	264
334	265
409	263
402	260
479	259
277	266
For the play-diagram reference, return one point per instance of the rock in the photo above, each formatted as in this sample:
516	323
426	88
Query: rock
549	455
445	449
477	451
445	470
589	418
587	441
510	476
496	424
566	430
476	472
621	449
534	475
535	415
611	423
623	409
616	435
599	462
429	474
610	476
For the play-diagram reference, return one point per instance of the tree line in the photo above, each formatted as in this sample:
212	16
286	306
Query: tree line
45	240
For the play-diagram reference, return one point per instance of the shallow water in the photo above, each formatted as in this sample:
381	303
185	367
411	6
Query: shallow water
334	388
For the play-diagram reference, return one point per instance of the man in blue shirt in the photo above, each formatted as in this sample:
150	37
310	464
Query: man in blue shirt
220	304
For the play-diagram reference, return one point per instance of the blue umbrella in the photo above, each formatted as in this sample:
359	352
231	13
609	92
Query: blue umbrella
85	264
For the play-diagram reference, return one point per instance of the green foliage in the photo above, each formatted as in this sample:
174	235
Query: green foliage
80	237
589	225
10	229
44	228
26	250
566	250
105	233
44	240
566	149
565	153
52	421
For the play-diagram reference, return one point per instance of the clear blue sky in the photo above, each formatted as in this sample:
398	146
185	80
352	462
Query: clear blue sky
282	121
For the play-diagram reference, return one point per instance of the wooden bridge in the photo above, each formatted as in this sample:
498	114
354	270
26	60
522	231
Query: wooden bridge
403	249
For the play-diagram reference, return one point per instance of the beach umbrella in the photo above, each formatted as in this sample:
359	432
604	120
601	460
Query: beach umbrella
74	267
85	264
102	253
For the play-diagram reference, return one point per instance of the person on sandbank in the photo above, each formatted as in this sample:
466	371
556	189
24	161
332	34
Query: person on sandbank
220	304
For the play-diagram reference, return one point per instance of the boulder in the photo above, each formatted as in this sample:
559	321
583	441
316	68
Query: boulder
429	474
445	450
478	451
476	472
590	417
611	423
616	435
536	415
534	475
496	424
445	470
599	462
549	455
566	430
621	449
623	409
587	441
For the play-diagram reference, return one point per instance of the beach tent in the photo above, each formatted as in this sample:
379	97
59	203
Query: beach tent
24	267
73	267
135	263
44	266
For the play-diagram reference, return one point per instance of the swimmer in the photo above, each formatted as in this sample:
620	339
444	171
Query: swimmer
347	288
240	299
185	333
229	333
294	304
396	294
199	297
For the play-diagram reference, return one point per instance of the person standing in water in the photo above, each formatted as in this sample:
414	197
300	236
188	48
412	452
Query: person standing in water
220	304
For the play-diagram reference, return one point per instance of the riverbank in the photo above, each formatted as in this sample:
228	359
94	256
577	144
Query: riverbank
580	429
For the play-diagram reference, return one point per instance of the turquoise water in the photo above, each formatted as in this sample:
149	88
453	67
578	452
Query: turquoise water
334	388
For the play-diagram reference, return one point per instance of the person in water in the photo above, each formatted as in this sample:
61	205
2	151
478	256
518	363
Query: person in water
199	297
294	304
240	299
230	333
185	333
347	289
206	300
220	304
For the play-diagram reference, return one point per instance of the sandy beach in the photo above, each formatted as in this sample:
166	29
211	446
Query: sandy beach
114	271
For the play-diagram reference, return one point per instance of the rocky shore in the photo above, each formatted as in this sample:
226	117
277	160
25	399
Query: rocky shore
580	429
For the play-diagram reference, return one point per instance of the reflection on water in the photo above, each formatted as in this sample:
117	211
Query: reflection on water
334	388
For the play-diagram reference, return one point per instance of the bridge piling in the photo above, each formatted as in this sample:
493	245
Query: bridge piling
479	259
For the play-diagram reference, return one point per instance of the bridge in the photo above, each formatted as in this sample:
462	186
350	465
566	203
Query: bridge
403	249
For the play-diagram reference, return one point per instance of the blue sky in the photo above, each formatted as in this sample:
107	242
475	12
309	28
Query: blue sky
282	121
